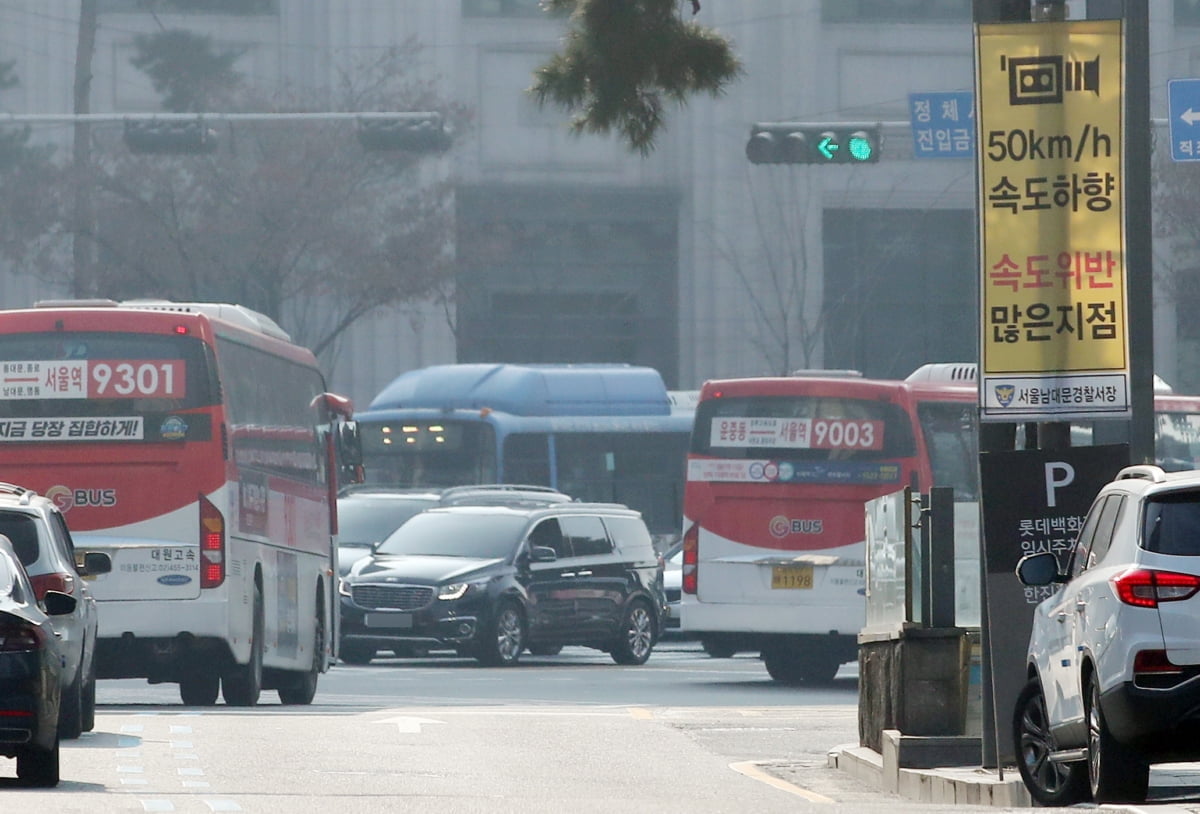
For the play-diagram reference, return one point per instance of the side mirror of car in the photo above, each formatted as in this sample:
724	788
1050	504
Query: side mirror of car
1039	569
542	553
96	562
57	603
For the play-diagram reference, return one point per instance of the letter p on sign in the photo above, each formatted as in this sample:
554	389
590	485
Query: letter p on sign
1058	474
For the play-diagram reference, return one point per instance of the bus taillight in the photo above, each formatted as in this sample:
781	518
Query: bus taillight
212	545
691	554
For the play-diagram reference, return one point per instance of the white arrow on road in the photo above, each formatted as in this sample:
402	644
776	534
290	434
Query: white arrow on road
408	725
1190	116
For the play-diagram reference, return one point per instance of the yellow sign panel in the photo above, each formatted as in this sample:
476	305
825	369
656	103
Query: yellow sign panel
1052	229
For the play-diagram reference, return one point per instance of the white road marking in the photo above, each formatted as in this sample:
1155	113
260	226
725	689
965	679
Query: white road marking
408	725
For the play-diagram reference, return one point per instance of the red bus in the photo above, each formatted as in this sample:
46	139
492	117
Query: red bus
779	471
195	444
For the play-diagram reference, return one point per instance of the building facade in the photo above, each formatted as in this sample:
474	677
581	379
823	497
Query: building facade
690	259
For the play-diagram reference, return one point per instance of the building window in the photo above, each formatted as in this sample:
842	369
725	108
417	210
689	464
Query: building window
1187	12
502	8
244	8
895	11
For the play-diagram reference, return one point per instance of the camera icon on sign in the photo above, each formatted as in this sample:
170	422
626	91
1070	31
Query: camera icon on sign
1042	80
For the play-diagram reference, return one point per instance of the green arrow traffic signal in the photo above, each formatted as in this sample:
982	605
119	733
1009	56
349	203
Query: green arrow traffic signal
800	143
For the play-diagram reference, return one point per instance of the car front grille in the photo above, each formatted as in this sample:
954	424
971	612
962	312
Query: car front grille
392	597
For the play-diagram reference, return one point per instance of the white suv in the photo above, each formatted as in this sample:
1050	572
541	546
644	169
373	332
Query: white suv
1114	656
41	541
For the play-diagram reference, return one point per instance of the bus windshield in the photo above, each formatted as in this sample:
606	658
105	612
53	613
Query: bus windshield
422	453
78	374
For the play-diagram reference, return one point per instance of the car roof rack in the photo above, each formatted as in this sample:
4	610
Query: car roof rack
19	491
1154	474
499	487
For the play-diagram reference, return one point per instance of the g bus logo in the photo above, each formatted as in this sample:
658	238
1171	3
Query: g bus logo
781	526
66	498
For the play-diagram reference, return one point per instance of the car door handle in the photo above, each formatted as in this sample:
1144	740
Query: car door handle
567	574
1080	606
1061	617
585	573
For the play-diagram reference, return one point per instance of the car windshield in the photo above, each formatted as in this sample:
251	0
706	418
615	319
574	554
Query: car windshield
445	534
368	520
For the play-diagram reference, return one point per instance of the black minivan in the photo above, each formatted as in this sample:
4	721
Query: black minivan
492	581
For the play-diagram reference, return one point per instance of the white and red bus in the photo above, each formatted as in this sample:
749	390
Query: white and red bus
778	474
195	444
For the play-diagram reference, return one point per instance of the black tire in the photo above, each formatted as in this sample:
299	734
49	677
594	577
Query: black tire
88	716
1049	784
791	665
717	648
545	649
1116	773
70	710
635	641
301	687
38	767
356	653
503	641
242	683
200	689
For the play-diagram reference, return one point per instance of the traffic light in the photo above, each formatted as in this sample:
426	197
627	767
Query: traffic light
410	132
804	143
151	136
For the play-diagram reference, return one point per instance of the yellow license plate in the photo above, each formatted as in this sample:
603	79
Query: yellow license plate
791	576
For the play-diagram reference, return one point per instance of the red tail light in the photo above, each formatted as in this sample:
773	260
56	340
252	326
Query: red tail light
1154	661
1144	588
19	638
212	545
64	583
691	556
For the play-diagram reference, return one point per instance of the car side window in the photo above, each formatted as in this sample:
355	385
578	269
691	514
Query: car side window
588	537
1171	524
549	534
1083	543
1106	527
631	536
62	537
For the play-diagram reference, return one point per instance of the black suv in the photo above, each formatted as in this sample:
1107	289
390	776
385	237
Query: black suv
491	581
368	513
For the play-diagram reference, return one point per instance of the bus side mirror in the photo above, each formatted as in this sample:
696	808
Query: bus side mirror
349	451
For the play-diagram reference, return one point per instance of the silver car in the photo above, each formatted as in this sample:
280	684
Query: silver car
40	538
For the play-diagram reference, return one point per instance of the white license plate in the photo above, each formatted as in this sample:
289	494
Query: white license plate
394	621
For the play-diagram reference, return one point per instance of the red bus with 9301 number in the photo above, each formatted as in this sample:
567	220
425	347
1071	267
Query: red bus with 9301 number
196	444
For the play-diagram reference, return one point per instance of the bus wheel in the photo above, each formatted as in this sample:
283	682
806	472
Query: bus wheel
200	689
242	684
301	687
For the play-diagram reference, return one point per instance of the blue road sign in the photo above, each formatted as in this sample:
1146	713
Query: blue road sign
1183	98
943	124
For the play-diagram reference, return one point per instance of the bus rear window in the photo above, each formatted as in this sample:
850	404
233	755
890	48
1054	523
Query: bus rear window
52	375
803	428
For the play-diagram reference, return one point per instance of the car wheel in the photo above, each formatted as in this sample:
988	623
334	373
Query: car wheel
38	767
242	683
1049	784
503	642
200	689
301	687
356	653
1117	773
70	710
718	649
636	639
545	649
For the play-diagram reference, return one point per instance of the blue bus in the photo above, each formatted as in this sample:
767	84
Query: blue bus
598	432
